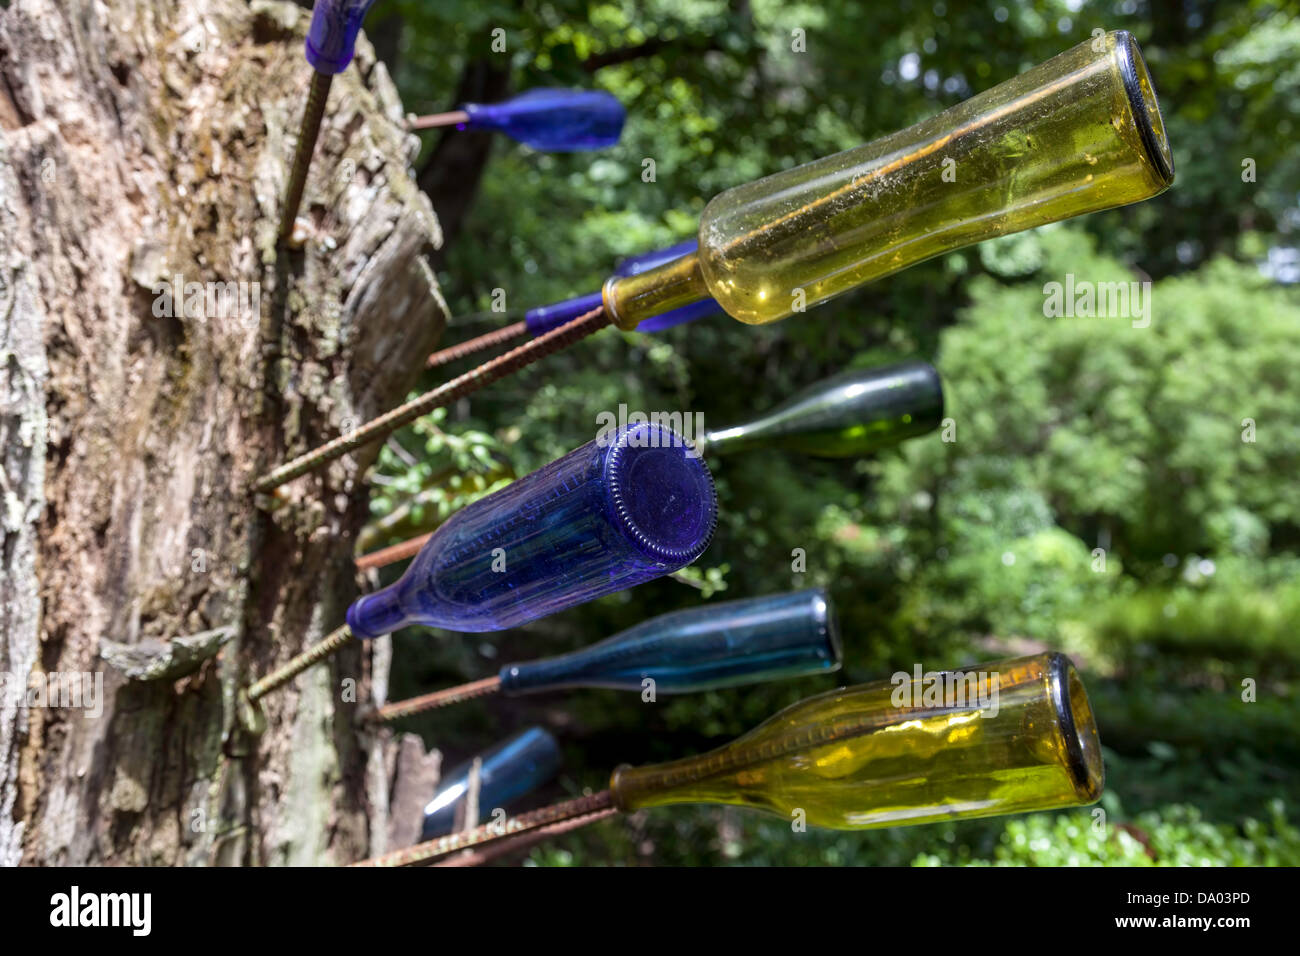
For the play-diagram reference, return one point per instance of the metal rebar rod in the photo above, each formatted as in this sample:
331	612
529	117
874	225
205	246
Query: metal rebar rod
522	841
393	553
579	811
317	97
481	343
296	665
434	120
439	397
438	698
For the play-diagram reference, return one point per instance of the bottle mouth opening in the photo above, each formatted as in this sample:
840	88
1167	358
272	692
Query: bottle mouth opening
1142	100
828	622
921	390
1078	729
662	493
935	394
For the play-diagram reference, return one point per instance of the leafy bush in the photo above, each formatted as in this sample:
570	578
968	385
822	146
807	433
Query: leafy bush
1176	835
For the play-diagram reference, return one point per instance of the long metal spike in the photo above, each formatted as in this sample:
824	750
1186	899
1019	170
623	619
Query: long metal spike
312	115
579	811
438	698
299	663
481	343
439	397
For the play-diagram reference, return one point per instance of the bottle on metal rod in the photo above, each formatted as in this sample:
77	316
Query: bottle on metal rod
608	516
1008	737
1077	134
716	645
541	319
496	779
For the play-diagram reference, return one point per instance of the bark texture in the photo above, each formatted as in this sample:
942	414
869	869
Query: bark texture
141	140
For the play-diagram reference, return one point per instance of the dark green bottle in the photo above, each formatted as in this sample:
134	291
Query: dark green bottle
850	414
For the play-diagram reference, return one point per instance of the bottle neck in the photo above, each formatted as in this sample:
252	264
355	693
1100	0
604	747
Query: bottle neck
374	615
725	440
630	300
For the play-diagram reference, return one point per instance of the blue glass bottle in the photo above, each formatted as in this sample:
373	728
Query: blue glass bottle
613	514
507	772
332	36
554	120
717	645
680	316
545	318
635	265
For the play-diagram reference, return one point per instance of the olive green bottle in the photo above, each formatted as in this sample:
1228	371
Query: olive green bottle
853	413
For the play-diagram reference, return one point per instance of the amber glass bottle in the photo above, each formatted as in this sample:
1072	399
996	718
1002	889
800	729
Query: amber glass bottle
1077	134
1007	737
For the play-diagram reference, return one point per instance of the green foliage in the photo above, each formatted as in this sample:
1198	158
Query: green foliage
1140	433
425	474
1176	835
1240	618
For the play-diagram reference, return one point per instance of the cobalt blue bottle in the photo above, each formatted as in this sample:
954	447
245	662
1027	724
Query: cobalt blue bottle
332	36
613	514
555	120
717	645
508	771
545	318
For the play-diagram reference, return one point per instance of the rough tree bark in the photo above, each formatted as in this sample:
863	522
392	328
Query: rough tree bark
142	140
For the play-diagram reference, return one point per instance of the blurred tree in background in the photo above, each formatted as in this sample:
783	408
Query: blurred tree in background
1104	495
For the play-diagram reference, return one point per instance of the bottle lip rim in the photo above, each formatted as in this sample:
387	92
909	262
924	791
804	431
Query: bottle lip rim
828	624
1087	778
1131	64
618	497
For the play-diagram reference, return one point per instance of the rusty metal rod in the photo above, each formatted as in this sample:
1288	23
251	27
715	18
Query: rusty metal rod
312	115
393	553
300	662
434	120
579	811
481	343
438	698
521	842
440	397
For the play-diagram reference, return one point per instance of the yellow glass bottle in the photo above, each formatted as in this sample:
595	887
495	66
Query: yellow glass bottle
1077	134
1012	736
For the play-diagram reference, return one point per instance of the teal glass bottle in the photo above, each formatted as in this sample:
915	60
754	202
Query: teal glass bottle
510	770
716	645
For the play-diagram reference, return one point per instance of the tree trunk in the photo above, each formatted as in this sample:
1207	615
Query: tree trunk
141	141
452	173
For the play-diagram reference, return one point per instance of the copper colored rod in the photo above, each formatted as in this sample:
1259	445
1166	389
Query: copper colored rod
581	811
393	553
434	120
488	340
524	841
440	397
438	698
